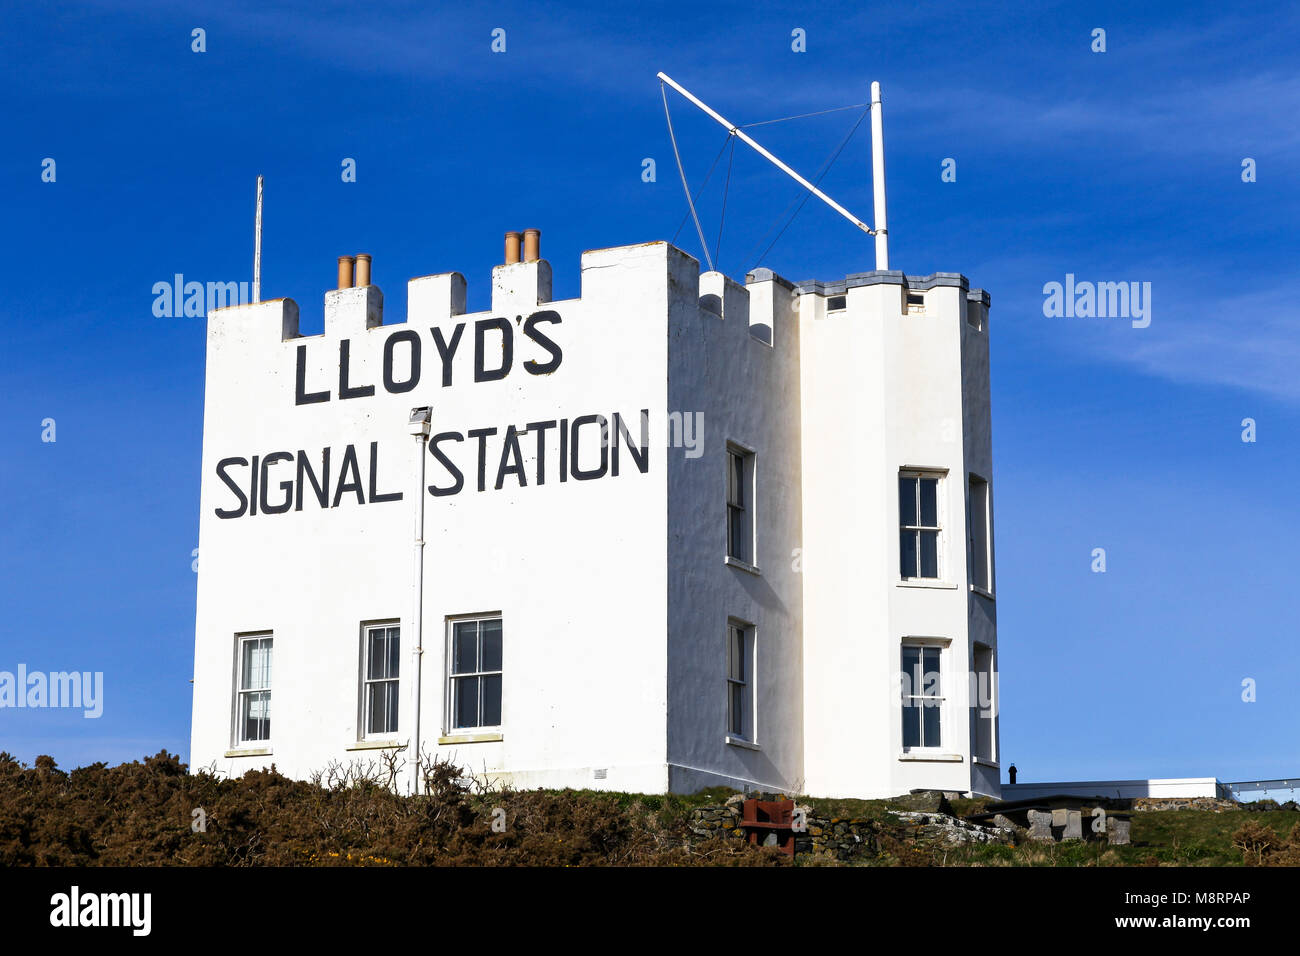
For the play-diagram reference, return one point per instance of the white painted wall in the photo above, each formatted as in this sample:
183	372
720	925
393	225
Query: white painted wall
745	380
576	569
884	390
614	592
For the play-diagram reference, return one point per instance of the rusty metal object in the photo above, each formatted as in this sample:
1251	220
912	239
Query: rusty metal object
770	823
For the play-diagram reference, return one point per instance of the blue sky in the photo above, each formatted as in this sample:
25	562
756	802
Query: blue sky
1123	165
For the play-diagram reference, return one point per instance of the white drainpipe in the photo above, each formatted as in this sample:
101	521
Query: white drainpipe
419	424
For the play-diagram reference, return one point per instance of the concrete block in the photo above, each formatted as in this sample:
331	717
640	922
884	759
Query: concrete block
1073	825
1040	825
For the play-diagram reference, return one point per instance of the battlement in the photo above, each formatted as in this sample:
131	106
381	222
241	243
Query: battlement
656	274
520	288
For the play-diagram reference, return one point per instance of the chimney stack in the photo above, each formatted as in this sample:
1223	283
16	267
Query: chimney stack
512	247
363	270
345	271
532	245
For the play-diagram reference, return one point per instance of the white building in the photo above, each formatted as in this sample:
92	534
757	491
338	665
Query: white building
791	509
1166	788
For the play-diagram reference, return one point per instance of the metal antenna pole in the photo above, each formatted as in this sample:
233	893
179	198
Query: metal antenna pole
257	246
749	140
878	177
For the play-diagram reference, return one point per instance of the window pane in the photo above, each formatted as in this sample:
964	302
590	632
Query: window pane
376	653
929	554
907	554
738	535
931	686
911	724
464	652
911	671
906	501
736	490
930	502
249	650
390	710
491	634
376	708
394	651
738	653
491	700
737	710
465	706
256	669
256	717
931	723
979	533
264	662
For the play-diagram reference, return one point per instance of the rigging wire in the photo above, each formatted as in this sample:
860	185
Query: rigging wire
687	215
837	109
806	193
801	200
717	249
685	187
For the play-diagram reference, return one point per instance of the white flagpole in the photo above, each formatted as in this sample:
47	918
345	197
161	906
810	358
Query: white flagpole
257	246
878	177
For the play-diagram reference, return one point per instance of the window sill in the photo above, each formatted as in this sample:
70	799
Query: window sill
980	761
931	757
741	742
376	745
247	752
926	583
471	739
979	590
731	562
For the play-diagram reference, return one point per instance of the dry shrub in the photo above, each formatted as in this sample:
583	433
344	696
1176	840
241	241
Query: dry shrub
140	814
1256	841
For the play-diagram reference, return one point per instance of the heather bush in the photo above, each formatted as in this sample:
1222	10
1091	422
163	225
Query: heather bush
143	814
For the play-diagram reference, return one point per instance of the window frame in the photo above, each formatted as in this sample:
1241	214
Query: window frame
450	727
986	513
941	646
989	653
940	475
238	740
746	684
745	511
364	733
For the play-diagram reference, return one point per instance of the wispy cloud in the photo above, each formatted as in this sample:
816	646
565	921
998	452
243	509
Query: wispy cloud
1248	340
1187	117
